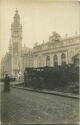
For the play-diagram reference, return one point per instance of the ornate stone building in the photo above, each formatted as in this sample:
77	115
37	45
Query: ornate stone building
17	57
27	57
56	51
16	40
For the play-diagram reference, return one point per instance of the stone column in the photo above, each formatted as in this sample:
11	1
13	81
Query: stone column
51	60
44	60
59	58
67	61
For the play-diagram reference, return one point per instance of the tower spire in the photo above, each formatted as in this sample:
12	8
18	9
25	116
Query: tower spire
16	17
16	11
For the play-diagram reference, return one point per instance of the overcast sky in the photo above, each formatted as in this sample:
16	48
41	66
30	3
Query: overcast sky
39	19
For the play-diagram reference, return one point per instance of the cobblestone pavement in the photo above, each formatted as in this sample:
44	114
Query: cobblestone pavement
26	107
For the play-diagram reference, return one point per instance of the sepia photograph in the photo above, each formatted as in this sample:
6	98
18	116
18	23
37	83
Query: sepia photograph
39	62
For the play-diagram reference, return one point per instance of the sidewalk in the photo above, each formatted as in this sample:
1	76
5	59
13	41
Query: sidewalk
69	95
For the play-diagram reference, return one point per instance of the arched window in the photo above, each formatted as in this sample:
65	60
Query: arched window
48	61
39	63
63	58
55	59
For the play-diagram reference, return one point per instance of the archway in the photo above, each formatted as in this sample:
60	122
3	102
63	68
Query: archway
63	58
55	59
48	61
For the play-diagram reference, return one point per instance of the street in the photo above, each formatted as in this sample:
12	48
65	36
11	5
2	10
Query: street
26	107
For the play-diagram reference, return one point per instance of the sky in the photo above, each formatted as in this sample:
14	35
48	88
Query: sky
39	19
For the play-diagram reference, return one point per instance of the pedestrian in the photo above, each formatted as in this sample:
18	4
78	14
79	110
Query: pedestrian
6	83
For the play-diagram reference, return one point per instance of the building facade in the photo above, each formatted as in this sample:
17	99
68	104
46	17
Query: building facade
16	40
17	57
56	51
27	57
6	66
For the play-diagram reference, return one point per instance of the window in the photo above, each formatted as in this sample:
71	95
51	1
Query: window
55	59
39	61
48	61
63	58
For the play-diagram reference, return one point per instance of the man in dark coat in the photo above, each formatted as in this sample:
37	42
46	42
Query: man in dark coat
6	83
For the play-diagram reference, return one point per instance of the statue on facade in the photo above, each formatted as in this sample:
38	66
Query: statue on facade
55	37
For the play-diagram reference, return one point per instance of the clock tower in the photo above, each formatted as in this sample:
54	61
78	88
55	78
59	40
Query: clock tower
16	38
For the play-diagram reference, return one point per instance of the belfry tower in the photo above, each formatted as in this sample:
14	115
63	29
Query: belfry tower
16	39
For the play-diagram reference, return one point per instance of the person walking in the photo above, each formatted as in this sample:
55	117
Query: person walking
6	83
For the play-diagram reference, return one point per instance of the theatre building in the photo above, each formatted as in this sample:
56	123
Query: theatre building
56	51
